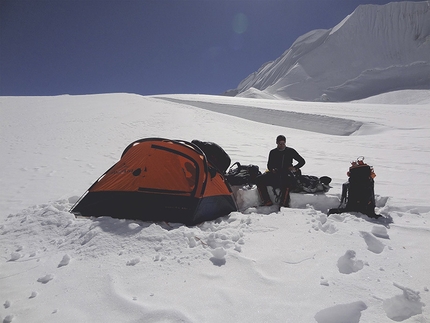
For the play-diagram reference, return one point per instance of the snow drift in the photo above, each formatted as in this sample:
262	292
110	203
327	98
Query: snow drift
374	50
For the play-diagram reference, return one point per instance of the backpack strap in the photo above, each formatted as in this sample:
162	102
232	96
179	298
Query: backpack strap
232	166
236	163
277	196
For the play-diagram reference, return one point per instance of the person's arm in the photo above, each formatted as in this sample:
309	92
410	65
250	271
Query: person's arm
300	160
270	162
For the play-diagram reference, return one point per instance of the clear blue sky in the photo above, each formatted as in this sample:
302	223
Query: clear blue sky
51	47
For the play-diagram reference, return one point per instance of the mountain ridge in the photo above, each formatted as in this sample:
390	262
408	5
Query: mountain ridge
376	49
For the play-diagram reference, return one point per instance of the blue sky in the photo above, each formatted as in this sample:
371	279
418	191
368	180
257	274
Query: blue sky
52	47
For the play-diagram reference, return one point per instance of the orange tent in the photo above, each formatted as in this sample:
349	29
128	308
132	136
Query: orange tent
160	180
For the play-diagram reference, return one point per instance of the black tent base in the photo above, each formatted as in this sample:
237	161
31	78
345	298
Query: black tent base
343	210
154	207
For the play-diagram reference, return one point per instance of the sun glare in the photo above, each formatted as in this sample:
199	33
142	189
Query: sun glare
240	23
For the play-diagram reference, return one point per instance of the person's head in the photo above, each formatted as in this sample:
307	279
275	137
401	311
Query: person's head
281	141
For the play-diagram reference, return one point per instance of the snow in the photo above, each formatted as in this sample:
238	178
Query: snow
374	50
256	265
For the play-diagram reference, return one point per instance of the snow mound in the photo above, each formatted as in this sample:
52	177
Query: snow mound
400	97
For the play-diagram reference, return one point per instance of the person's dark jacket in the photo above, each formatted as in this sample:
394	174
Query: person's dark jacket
281	160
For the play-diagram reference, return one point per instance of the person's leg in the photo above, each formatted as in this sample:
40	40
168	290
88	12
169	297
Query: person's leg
288	182
285	197
262	182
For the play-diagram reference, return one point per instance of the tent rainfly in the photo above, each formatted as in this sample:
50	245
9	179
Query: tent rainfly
159	179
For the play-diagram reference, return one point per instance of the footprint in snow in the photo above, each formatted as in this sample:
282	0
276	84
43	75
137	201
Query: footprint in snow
347	264
321	224
373	244
324	281
8	319
402	307
218	258
380	232
45	279
341	313
133	262
14	256
65	261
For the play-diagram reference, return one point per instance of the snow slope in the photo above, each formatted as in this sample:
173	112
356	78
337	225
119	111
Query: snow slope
256	265
374	50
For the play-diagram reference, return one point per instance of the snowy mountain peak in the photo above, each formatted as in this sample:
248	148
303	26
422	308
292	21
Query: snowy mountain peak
374	50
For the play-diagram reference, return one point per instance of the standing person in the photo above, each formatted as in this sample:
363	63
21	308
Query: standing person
279	172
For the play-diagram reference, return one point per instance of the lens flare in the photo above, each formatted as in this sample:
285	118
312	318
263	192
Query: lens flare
240	23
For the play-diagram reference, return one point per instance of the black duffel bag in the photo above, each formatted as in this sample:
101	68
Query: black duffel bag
242	174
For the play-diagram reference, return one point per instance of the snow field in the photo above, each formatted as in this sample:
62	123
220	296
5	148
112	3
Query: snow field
258	264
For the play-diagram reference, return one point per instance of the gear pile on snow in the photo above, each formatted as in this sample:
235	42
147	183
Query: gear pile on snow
358	193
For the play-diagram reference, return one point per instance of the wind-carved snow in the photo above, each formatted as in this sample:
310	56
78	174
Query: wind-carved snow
339	25
374	50
294	120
